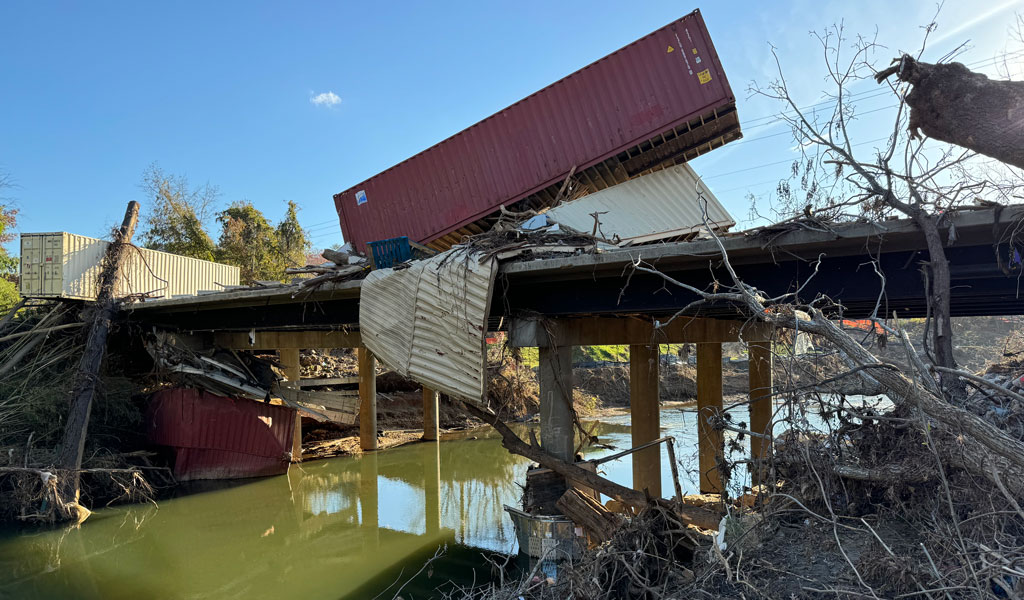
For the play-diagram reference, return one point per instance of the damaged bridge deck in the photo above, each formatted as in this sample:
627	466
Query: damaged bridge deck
866	268
861	265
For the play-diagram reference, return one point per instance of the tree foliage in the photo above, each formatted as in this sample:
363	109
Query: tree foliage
176	214
177	221
8	264
248	241
291	238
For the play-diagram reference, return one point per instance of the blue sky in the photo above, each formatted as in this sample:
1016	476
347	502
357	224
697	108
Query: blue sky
223	92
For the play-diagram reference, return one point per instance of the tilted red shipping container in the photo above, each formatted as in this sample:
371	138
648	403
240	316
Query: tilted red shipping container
221	438
661	100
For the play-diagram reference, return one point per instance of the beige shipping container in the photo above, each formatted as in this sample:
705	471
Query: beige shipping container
65	265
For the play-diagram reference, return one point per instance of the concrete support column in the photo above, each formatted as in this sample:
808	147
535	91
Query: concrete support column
709	403
292	371
367	398
760	370
556	433
432	487
431	427
645	417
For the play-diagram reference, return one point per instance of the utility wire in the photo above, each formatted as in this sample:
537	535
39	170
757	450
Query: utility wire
780	162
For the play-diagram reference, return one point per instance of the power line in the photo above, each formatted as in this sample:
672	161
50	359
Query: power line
788	160
323	235
327	222
322	229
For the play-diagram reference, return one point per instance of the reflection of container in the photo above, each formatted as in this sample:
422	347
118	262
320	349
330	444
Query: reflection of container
65	265
546	537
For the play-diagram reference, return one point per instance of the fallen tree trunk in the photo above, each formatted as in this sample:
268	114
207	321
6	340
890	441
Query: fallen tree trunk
77	424
963	439
589	514
691	515
951	103
888	474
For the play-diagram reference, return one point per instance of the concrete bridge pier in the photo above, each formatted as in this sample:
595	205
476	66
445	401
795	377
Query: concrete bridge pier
555	337
556	426
761	405
290	365
431	424
367	365
645	416
711	443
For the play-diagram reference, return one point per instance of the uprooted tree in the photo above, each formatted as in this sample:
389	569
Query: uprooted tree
948	102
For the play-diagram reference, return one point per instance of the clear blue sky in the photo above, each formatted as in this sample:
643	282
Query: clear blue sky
222	92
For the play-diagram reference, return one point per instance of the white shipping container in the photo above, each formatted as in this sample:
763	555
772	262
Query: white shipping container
65	265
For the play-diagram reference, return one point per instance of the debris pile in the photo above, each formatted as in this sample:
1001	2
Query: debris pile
325	364
531	236
223	374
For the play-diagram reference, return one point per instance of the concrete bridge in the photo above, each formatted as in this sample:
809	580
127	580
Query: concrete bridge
593	299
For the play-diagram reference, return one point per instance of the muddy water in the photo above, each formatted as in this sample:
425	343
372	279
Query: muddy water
339	528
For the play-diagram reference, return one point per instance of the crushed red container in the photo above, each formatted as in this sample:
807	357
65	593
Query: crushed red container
221	438
661	100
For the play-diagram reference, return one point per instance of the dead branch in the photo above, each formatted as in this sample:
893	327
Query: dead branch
691	515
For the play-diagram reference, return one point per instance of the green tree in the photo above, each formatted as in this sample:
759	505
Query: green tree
176	214
249	242
291	238
9	295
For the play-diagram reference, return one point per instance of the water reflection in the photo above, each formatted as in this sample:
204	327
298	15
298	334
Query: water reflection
340	528
327	529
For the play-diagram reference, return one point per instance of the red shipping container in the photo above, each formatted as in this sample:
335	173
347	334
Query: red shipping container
661	100
221	438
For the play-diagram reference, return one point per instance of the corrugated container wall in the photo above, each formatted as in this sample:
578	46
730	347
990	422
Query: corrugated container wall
65	265
669	204
661	100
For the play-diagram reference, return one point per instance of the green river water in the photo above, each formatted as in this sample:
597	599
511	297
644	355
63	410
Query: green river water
355	527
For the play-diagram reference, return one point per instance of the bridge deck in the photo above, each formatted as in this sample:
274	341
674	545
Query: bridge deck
775	260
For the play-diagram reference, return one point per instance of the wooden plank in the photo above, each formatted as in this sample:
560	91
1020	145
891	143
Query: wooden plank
760	385
711	445
335	416
645	417
367	398
347	401
273	340
320	381
599	331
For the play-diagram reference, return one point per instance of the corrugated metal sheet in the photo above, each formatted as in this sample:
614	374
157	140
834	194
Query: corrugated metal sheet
661	99
65	265
659	206
221	438
428	322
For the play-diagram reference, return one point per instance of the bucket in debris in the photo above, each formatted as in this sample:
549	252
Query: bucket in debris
390	252
545	537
